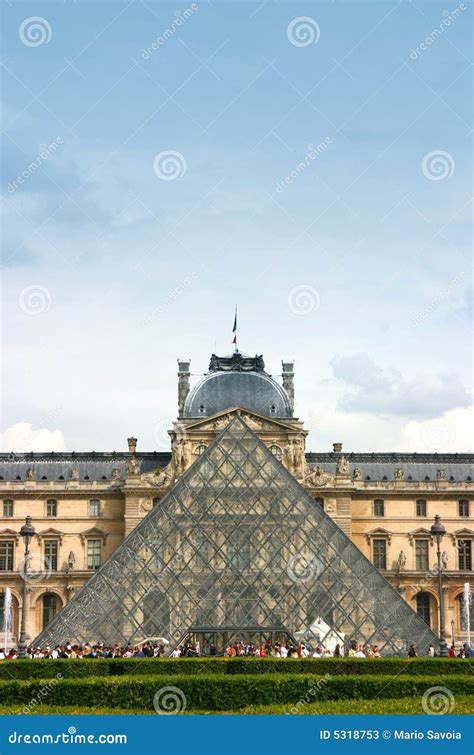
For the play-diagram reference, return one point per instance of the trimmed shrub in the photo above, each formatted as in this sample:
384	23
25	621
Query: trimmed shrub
95	667
226	692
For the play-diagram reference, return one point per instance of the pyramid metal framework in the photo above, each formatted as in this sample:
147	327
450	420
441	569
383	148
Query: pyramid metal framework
238	542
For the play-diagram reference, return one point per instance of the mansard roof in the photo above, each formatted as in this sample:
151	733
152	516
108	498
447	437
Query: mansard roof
420	467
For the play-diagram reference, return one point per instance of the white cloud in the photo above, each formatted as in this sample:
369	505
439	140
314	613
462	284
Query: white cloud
23	437
449	433
386	391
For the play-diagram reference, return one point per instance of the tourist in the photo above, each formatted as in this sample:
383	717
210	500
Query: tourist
412	651
337	651
376	652
359	652
452	652
431	651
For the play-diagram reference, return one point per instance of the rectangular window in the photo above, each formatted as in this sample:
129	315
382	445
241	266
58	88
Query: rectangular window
421	508
380	554
8	508
421	555
379	508
93	554
51	507
6	555
465	555
464	508
94	507
51	555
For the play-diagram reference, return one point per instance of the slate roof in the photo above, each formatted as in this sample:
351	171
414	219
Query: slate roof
99	465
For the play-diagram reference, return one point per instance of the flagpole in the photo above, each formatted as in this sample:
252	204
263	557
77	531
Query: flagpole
235	331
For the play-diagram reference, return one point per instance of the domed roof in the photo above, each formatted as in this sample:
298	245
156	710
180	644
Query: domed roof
237	380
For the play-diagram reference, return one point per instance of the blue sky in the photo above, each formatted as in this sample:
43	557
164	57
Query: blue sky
357	264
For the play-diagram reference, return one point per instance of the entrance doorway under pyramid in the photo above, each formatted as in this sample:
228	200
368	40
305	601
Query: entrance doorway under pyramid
237	542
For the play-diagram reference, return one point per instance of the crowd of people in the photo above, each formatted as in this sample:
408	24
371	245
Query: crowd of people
235	649
465	651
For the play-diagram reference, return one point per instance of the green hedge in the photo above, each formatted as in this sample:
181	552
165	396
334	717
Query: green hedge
46	669
220	692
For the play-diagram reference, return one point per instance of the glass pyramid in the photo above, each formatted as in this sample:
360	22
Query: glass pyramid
237	542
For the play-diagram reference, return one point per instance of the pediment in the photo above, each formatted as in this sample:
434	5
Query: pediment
94	532
9	534
379	532
50	533
254	420
463	534
420	532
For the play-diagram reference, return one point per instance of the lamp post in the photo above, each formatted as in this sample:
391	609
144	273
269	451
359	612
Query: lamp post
438	531
452	630
27	532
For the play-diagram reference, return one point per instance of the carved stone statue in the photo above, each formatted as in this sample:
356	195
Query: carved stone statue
342	467
441	475
74	474
298	458
133	467
357	474
316	477
71	561
402	561
115	473
399	474
30	474
444	559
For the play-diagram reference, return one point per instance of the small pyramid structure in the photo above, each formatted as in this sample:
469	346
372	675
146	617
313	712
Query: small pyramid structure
237	541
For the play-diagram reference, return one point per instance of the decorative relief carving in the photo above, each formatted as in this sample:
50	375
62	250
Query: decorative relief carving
399	474
357	474
133	467
342	467
317	477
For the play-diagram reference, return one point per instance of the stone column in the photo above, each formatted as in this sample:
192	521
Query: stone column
183	384
288	381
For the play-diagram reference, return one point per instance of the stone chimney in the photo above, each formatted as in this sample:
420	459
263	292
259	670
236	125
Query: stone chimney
132	445
288	381
183	384
337	448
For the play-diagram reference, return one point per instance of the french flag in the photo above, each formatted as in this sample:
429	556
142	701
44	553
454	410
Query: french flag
234	329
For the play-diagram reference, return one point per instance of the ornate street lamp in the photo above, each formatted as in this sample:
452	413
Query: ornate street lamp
27	532
438	531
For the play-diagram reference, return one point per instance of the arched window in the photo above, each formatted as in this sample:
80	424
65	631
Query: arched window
423	607
50	607
276	451
200	449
